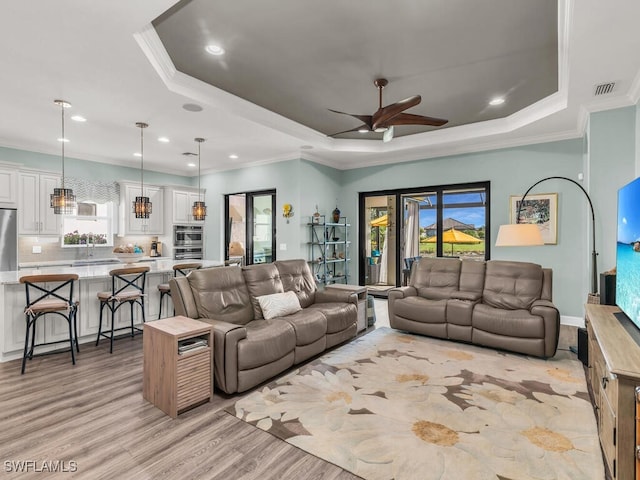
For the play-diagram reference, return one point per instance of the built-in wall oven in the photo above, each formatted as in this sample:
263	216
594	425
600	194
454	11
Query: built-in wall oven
188	242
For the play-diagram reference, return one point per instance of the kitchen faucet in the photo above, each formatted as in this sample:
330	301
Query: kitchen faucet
90	248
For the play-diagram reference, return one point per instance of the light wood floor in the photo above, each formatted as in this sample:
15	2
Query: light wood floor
93	414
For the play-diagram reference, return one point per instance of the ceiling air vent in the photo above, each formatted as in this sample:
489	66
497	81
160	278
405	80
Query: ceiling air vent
604	88
189	154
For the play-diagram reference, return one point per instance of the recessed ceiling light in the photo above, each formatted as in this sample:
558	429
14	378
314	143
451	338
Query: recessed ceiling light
78	118
191	164
214	49
380	129
496	101
233	156
163	139
363	130
137	154
65	140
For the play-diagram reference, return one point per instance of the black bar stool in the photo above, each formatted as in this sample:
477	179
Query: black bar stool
127	286
43	299
183	269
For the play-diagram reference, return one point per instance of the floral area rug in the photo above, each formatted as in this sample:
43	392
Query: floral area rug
391	405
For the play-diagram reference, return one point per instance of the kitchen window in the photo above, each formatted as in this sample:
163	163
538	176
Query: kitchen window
92	225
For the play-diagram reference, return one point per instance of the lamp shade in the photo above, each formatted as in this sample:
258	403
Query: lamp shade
519	235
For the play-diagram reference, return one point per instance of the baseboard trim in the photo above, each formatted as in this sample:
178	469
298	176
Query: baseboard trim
572	321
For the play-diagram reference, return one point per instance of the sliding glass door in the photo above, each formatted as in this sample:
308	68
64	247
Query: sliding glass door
399	226
250	227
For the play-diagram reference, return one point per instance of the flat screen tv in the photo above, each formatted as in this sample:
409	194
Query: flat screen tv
628	251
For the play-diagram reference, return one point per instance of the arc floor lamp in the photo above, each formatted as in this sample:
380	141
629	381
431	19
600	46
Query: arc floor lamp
527	234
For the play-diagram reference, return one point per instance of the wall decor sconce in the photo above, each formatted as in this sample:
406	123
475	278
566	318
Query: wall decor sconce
287	211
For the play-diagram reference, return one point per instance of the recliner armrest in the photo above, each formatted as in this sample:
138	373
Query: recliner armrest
467	296
543	303
331	295
551	318
182	297
401	292
225	350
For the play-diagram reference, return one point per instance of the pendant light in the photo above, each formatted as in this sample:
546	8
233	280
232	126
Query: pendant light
62	200
142	205
199	209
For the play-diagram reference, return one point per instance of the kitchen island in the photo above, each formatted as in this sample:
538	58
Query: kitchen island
92	279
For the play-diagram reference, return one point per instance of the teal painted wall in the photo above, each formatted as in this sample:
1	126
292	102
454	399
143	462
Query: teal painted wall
511	171
74	167
612	159
298	182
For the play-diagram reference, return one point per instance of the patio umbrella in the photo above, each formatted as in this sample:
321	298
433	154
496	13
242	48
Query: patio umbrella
454	236
380	221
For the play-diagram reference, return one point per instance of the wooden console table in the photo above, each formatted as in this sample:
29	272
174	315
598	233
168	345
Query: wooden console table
175	376
614	375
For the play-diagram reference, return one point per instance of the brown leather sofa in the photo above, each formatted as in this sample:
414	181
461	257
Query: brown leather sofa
248	349
501	304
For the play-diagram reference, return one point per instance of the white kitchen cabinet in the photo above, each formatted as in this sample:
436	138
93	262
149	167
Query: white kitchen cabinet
8	188
154	225
152	294
89	307
35	215
181	206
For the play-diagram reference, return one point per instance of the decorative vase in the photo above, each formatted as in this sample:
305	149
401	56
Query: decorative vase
336	215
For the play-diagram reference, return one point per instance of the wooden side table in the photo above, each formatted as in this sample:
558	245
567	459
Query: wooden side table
178	363
361	293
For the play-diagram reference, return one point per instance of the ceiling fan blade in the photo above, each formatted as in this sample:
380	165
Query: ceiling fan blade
383	115
351	130
410	119
363	118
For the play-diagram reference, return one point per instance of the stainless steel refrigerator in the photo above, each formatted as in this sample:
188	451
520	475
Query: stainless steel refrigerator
8	239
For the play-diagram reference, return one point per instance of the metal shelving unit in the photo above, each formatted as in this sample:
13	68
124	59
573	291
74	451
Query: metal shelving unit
329	250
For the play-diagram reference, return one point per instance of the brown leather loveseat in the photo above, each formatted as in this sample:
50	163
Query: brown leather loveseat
249	349
501	304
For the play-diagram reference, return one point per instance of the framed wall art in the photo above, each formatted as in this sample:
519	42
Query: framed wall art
539	208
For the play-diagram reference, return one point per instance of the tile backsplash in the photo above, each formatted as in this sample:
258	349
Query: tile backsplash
51	249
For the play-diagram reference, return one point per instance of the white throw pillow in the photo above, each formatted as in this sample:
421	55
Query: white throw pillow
279	304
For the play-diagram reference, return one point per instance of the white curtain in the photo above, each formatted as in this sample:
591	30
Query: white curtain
384	257
412	229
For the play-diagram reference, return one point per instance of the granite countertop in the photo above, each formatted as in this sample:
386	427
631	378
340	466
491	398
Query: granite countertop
58	263
96	271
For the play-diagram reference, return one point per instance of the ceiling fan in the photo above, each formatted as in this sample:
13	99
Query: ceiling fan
385	118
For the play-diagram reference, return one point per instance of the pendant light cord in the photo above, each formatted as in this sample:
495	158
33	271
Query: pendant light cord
141	161
199	191
62	140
